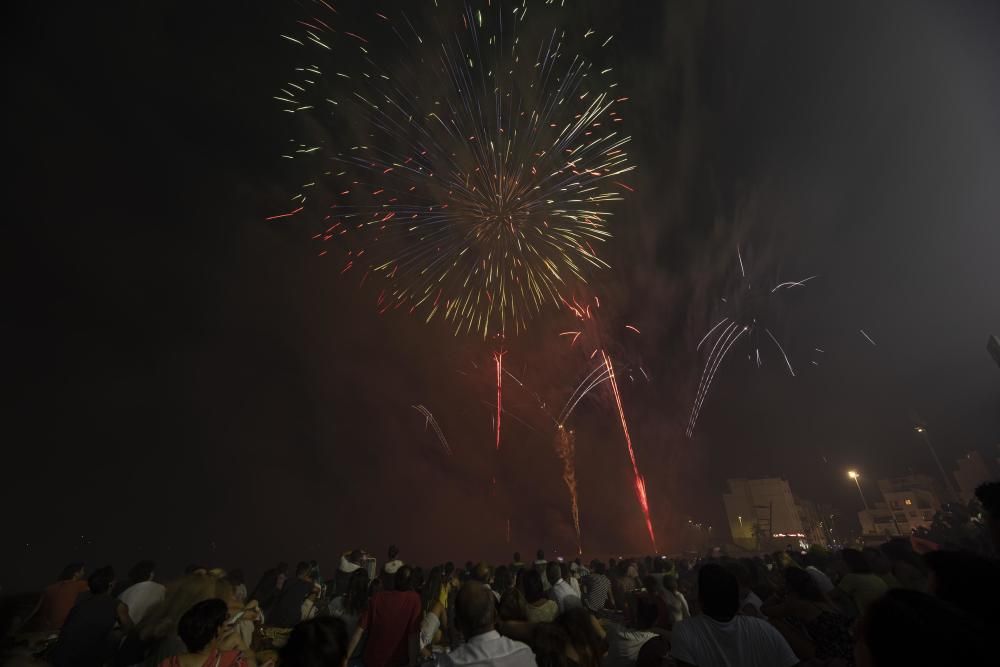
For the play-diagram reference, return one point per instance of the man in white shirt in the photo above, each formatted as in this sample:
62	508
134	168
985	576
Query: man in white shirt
561	591
475	616
624	644
719	637
142	595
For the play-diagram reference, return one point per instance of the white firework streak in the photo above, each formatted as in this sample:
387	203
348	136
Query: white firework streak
707	379
429	419
601	373
782	350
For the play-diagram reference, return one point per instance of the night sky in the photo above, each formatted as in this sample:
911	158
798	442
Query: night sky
190	383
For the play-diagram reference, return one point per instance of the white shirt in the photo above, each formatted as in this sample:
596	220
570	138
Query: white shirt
743	641
348	566
141	597
564	595
575	585
823	581
489	648
624	646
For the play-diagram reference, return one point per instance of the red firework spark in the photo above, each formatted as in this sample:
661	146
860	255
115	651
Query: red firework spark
640	483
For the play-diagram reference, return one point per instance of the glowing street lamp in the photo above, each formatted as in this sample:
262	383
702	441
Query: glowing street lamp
853	474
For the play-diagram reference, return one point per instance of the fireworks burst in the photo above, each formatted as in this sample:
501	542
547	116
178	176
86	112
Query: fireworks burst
471	163
748	322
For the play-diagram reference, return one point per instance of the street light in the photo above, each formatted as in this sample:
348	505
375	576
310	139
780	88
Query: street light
922	432
853	474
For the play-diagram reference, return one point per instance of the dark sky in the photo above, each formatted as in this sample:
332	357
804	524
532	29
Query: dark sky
190	383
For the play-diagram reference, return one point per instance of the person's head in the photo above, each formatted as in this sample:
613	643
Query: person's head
356	598
393	552
517	556
475	611
540	555
72	572
101	580
403	581
587	636
195	568
141	571
988	494
646	612
202	624
430	592
802	585
512	606
502	580
320	642
449	570
235	577
718	592
553	572
649	583
947	636
356	556
968	581
599	567
481	573
877	561
376	585
533	588
856	561
670	582
303	570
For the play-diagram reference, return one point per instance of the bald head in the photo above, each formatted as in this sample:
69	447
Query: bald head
475	611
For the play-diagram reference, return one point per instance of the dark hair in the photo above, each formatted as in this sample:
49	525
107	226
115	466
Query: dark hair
316	643
803	585
646	612
393	552
356	597
431	592
502	579
69	571
403	579
599	567
856	561
449	568
650	584
100	580
512	606
718	591
141	571
988	493
540	555
533	588
481	573
517	556
302	568
376	586
947	635
968	581
194	567
200	624
235	577
553	572
589	646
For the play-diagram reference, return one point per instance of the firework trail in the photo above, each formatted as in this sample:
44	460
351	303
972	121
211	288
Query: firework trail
566	449
484	160
498	359
640	483
430	421
747	324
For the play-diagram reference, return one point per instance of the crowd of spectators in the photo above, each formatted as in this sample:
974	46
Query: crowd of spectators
877	606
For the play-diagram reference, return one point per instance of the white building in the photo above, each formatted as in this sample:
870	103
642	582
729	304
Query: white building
763	514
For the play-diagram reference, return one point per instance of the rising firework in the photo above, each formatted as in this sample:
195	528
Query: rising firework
468	160
430	421
747	321
566	449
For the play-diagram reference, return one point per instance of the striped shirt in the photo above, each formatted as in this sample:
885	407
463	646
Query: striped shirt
597	586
